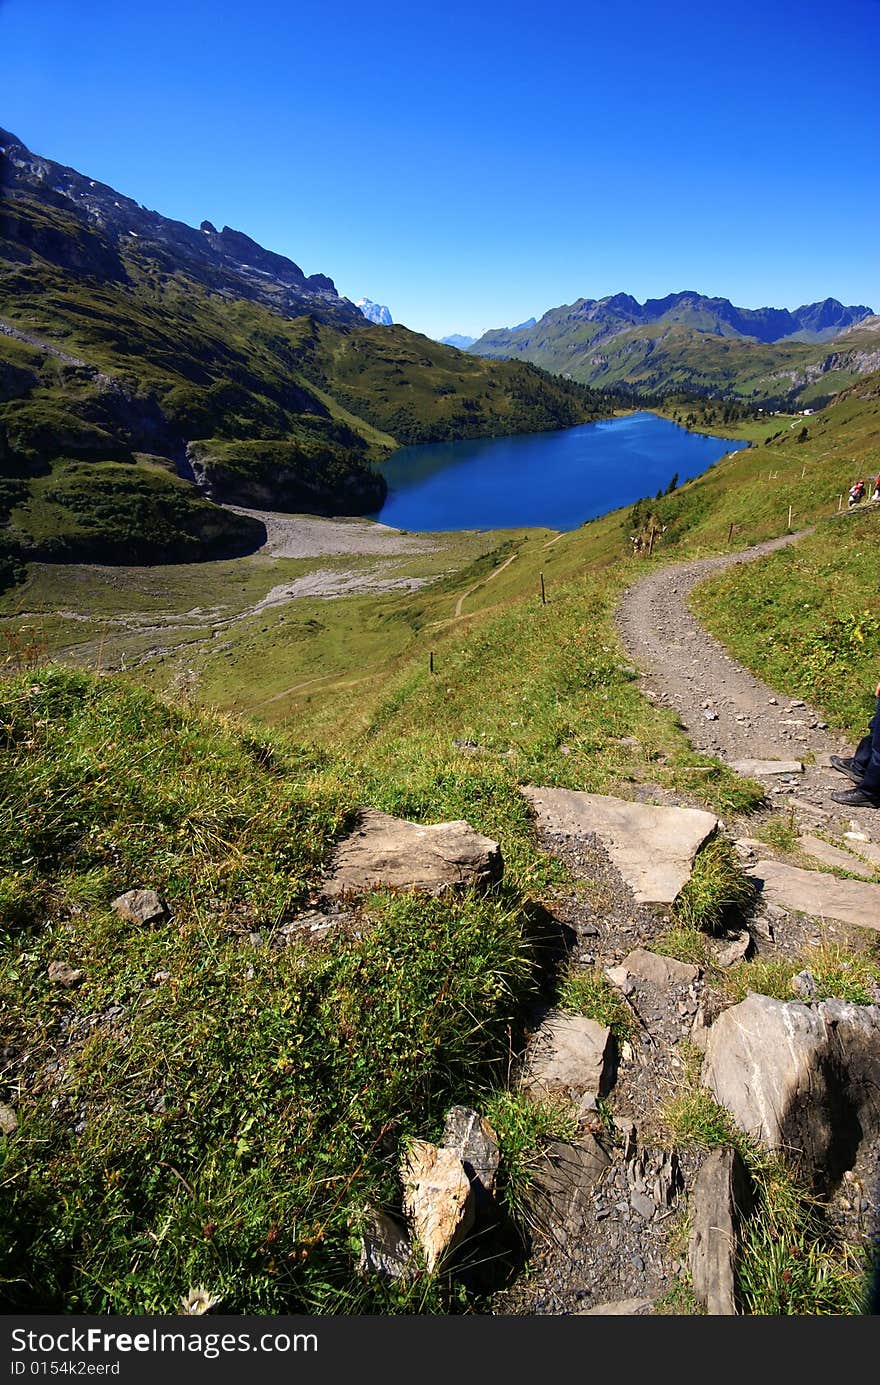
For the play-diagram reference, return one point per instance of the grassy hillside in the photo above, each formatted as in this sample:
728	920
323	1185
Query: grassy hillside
108	354
664	357
138	1170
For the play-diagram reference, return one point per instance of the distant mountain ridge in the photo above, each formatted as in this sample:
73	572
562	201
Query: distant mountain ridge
376	313
687	340
458	340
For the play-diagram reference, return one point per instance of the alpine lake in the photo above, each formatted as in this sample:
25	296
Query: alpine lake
554	480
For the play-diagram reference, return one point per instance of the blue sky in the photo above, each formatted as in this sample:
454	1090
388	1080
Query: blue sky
472	164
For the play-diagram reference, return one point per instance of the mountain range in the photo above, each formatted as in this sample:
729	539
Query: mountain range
690	341
149	370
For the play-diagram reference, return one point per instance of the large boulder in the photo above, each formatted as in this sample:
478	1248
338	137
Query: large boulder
804	1079
721	1198
652	847
569	1055
437	1198
389	852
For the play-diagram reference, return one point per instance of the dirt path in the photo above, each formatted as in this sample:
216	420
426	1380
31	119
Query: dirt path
482	583
725	710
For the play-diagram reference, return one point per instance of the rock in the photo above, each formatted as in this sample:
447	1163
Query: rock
804	985
570	1054
721	1197
652	847
711	716
140	906
736	949
621	1307
8	1120
437	1198
559	1198
65	975
801	1078
805	806
472	1138
823	896
659	970
763	768
832	856
389	852
385	1246
620	977
699	1034
868	850
644	1205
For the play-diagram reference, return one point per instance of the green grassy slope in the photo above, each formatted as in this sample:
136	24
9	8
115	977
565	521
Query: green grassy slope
663	357
117	355
139	1170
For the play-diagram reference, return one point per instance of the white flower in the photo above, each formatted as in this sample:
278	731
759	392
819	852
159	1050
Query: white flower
197	1302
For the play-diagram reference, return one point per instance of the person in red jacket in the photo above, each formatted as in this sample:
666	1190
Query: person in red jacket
863	768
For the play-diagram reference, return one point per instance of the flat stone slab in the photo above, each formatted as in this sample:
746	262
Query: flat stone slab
822	896
559	1198
833	856
652	847
760	768
389	852
659	970
570	1054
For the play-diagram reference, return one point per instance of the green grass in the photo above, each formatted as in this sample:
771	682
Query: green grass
139	1169
525	1127
586	991
718	888
838	971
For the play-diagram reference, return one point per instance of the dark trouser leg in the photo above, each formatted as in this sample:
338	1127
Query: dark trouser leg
867	757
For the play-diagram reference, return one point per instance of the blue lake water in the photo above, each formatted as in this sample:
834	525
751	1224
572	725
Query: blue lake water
550	480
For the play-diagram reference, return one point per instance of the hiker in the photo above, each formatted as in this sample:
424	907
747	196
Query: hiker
856	493
863	769
876	495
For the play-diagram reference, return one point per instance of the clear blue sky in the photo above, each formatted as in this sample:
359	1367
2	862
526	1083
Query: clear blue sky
472	163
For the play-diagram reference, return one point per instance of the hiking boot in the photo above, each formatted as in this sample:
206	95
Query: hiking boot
855	798
848	767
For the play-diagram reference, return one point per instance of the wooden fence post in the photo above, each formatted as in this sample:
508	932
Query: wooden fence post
543	593
431	662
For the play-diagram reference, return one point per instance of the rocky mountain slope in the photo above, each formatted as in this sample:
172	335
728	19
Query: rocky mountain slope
195	367
376	312
689	341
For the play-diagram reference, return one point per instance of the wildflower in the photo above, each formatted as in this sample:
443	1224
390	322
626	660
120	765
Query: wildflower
197	1302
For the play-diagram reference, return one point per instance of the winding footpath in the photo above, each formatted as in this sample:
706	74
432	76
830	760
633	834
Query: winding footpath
725	710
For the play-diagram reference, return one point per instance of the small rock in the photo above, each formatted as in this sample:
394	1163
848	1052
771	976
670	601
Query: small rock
711	716
735	950
805	985
8	1120
472	1138
437	1198
571	1054
385	1246
644	1205
659	970
140	906
620	977
64	974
